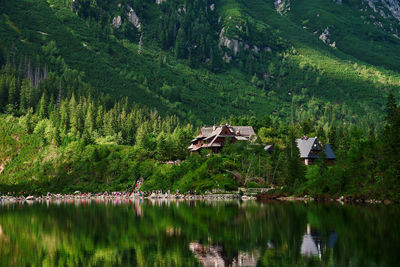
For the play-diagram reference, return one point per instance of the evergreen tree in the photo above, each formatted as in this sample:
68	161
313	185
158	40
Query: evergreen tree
307	127
332	136
180	44
42	107
321	134
29	121
64	115
391	134
57	137
162	147
13	92
3	92
25	95
89	124
295	170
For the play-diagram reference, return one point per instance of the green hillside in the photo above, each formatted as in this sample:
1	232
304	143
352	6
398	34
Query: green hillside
177	59
95	95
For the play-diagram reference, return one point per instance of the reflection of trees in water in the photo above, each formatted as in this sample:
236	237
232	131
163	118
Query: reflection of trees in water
162	234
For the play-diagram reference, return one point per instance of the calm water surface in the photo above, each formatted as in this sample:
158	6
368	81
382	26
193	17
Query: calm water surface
138	233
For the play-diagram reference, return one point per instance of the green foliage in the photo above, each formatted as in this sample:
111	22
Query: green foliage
277	57
81	107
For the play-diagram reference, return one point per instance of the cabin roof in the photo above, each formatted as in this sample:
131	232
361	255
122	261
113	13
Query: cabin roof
243	130
306	145
329	152
269	148
210	134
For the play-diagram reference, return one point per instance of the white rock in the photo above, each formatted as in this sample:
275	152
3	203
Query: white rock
117	21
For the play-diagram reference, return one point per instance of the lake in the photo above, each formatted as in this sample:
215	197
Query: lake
229	233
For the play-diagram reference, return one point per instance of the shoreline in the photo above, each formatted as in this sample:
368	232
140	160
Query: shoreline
123	196
325	199
127	196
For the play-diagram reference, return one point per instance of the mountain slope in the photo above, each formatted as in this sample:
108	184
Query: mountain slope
207	59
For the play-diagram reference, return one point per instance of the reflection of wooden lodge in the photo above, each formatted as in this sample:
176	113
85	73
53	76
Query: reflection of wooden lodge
216	137
311	148
216	256
312	245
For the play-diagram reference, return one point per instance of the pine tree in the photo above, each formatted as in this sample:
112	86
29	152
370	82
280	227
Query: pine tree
25	95
391	132
332	136
295	170
64	115
162	147
13	92
29	121
42	107
3	92
89	120
180	44
99	121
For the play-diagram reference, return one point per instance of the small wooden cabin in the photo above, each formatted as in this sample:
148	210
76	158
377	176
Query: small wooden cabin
311	148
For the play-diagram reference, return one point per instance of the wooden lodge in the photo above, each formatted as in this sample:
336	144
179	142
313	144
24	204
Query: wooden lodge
311	148
216	137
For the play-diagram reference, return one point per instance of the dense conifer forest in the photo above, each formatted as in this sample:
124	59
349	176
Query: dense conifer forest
97	94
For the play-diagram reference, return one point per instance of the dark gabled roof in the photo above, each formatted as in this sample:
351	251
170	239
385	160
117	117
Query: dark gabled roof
329	152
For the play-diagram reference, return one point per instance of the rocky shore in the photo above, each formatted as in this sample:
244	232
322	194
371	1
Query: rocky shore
125	196
324	198
159	195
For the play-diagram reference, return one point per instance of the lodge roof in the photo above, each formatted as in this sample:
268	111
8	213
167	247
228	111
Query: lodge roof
237	130
329	152
307	145
210	134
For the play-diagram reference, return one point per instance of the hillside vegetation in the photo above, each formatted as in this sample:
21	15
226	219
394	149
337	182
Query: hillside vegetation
174	56
95	95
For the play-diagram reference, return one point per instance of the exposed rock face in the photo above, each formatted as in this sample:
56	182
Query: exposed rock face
392	7
232	44
324	37
117	21
282	6
387	14
212	7
160	1
226	58
133	18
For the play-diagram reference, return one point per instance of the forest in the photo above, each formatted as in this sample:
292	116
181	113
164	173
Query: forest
95	95
59	135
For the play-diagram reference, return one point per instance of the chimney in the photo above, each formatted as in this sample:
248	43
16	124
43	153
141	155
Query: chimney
214	127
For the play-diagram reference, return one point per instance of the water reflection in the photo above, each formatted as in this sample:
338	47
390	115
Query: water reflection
210	256
197	233
311	245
